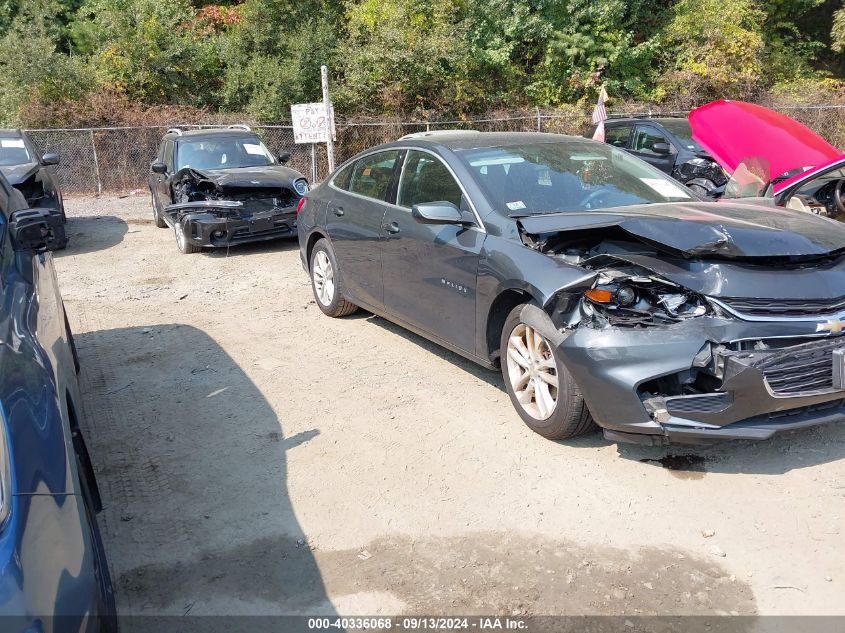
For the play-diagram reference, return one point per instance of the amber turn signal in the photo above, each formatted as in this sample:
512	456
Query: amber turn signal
599	296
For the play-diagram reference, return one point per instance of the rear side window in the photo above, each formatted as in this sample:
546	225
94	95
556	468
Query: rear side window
372	174
618	135
426	179
341	181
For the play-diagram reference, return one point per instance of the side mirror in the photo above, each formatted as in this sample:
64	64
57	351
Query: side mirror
437	213
661	148
36	229
50	159
158	168
284	158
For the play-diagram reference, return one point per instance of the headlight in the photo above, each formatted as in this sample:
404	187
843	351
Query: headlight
699	162
629	298
300	186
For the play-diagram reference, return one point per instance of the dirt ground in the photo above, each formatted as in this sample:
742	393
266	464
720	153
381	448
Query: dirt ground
257	457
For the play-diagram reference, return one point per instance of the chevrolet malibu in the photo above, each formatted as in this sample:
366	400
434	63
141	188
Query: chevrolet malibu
606	293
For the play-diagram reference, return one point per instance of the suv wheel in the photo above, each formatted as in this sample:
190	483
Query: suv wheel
160	223
185	245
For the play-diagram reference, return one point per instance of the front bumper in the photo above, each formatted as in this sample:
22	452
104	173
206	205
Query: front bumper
760	392
208	228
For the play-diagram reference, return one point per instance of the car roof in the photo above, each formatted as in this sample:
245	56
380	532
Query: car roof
643	119
8	133
465	139
209	133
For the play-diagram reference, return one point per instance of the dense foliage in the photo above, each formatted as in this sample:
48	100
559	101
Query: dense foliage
61	59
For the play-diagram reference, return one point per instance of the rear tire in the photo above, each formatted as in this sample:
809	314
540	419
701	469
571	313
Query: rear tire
327	283
160	223
540	387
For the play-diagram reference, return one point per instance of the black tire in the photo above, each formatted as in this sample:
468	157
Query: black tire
570	416
159	220
336	304
185	245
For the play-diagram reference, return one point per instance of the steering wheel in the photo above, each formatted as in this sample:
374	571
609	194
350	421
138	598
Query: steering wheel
839	196
592	196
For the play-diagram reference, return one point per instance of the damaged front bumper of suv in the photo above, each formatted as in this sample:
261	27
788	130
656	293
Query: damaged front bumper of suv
221	223
708	378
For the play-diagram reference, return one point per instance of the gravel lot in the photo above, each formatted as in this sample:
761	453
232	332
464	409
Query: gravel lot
255	456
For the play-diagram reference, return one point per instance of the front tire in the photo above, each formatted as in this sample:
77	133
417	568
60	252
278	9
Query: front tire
327	283
540	387
183	243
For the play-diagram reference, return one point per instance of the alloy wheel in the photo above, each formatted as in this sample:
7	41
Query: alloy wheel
323	274
532	372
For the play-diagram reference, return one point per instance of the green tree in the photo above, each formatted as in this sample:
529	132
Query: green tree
149	50
274	52
405	56
31	65
717	47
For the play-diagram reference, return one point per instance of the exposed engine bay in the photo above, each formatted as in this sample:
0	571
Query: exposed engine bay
191	185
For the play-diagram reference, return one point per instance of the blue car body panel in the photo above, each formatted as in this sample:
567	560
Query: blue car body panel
53	576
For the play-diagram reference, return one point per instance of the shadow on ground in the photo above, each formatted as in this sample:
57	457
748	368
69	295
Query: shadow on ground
191	461
88	234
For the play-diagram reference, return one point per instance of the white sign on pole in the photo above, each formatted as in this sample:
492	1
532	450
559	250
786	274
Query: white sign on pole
310	123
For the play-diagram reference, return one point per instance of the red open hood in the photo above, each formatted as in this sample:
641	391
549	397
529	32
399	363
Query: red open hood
733	131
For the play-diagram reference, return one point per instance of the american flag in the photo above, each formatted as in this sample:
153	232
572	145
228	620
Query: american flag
600	115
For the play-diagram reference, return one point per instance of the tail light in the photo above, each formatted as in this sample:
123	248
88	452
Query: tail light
300	205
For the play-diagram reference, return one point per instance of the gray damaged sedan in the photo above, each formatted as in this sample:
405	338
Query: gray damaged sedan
607	293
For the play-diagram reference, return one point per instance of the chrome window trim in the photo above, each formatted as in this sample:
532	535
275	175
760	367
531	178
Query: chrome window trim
480	225
774	319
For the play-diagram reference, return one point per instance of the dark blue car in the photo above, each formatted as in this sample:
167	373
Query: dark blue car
53	573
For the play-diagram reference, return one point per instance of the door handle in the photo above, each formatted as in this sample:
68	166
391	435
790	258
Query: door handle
338	211
390	227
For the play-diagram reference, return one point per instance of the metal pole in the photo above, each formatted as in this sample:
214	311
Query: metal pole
96	163
539	126
324	80
313	163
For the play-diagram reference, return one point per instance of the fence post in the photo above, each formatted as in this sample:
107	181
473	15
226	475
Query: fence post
539	123
96	163
313	164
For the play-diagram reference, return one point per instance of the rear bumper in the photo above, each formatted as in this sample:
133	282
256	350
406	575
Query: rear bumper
760	392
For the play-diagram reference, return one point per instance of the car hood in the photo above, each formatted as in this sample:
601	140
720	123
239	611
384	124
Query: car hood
247	177
16	174
708	229
733	131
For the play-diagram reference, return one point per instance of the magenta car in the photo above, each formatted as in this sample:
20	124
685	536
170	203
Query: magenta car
772	158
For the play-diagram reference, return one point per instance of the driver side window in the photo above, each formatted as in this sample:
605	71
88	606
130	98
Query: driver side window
426	179
645	138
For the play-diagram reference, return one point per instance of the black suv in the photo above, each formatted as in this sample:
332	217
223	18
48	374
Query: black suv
667	144
219	187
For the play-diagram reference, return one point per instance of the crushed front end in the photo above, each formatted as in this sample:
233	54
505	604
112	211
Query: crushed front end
218	212
670	349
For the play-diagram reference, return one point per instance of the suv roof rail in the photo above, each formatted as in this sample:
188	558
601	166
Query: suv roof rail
174	130
240	126
436	133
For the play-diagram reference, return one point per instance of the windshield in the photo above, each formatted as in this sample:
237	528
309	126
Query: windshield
751	178
567	176
682	130
222	153
13	152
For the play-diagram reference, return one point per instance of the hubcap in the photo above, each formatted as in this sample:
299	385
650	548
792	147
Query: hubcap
532	372
323	275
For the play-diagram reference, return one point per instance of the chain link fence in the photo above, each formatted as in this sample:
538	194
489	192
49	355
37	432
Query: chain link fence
96	160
